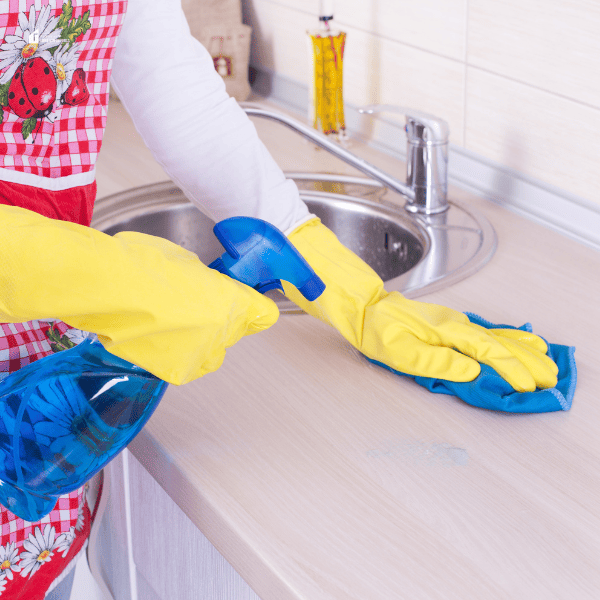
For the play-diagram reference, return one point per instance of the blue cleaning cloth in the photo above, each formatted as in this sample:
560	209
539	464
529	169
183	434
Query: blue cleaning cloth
490	391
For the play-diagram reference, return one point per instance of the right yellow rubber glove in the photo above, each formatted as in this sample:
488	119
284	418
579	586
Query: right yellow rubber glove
411	337
150	301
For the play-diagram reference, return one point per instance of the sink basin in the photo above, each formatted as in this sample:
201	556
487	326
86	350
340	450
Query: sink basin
413	254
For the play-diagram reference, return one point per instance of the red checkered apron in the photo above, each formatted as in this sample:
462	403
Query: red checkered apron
55	61
66	141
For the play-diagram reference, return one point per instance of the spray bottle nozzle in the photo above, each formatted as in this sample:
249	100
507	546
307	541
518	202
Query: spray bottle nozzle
260	255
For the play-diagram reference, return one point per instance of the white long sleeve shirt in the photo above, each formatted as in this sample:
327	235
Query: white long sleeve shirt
202	138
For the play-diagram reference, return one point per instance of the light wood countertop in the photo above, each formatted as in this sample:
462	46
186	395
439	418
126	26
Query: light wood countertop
319	476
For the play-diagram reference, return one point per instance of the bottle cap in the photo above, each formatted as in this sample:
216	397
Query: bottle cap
325	10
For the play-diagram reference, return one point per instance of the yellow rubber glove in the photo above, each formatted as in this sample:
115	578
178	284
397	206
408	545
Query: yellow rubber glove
409	336
150	301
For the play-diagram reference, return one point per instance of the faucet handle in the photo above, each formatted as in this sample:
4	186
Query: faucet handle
435	130
426	158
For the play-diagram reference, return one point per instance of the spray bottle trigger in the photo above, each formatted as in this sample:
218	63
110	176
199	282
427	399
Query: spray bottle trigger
274	284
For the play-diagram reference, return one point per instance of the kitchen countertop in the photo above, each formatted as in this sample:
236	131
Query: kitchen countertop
319	476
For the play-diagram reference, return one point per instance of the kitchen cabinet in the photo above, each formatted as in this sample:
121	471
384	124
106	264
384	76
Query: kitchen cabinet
171	557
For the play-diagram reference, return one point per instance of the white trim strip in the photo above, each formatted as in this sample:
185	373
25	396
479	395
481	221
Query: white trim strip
133	595
53	184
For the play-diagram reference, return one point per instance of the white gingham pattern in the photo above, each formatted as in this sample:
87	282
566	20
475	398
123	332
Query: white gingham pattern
70	144
24	343
62	517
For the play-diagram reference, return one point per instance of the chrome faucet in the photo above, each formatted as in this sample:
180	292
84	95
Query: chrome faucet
427	155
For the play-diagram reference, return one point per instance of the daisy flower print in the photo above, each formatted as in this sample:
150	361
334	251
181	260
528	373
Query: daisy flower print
34	37
64	541
38	66
9	559
63	64
39	549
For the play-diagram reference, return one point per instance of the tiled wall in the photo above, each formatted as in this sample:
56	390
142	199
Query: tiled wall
518	80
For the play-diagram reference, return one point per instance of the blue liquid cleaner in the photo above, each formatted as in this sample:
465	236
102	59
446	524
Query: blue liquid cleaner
63	418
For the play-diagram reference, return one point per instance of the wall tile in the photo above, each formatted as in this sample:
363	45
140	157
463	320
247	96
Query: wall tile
376	70
279	40
438	26
537	133
310	7
532	102
550	44
435	25
386	72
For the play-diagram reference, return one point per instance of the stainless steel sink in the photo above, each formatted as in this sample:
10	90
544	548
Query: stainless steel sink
413	254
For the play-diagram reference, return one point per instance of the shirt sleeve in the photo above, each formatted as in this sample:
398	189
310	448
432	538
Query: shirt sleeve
202	138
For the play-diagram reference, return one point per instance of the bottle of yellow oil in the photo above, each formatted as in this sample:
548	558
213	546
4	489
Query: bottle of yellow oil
327	62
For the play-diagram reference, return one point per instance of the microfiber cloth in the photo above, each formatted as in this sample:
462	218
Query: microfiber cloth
490	391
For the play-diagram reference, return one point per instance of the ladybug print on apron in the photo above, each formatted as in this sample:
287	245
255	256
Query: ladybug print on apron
41	60
55	61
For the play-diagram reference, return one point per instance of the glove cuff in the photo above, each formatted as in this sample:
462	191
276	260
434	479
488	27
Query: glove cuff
351	285
299	224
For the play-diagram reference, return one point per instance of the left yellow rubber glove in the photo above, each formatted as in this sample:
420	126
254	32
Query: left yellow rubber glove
412	337
150	301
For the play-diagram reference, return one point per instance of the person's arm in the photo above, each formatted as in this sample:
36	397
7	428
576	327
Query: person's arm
150	301
210	148
167	82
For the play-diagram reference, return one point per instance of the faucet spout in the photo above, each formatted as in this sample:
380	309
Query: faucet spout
334	148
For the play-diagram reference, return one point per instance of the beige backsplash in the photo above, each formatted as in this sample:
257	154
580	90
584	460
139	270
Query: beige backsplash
517	81
201	13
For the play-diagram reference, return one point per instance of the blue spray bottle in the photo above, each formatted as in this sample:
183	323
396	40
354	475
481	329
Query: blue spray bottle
65	416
